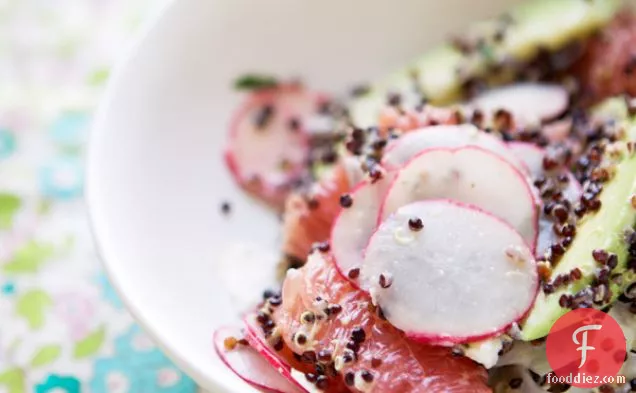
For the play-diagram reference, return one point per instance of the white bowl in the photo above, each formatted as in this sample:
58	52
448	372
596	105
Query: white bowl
155	175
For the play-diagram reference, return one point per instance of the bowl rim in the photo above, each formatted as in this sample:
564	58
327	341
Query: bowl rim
210	379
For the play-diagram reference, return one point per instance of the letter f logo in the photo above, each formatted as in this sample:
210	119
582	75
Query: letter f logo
584	347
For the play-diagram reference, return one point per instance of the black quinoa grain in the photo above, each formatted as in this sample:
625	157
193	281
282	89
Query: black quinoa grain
548	288
294	124
262	318
457	351
632	385
630	291
566	242
394	99
275	301
263	116
600	256
360	90
560	212
226	208
300	339
576	274
322	382
323	246
612	261
324	355
334	309
309	357
358	335
565	301
385	280
346	201
353	346
415	224
515	383
349	378
279	345
310	377
308	317
353	273
268	293
568	230
366	376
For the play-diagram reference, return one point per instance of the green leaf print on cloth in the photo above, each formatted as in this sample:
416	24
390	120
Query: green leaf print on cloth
32	307
46	355
12	381
9	206
91	344
29	258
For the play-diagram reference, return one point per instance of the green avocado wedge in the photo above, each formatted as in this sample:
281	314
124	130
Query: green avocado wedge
440	74
602	230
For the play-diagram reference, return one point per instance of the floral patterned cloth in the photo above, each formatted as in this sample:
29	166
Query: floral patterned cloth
62	327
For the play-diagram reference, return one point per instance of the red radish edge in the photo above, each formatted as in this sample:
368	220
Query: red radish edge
503	144
264	191
218	347
256	340
535	198
354	190
446	340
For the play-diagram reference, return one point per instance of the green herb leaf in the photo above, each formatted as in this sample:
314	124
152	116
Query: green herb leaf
255	82
90	345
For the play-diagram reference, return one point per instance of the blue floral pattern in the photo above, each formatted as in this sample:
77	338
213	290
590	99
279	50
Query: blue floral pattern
64	329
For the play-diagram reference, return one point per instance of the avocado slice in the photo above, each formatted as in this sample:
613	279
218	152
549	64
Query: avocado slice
602	230
517	38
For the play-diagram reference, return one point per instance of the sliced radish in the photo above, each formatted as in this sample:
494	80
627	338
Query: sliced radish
533	157
530	103
463	276
470	175
250	366
450	136
257	340
269	142
355	225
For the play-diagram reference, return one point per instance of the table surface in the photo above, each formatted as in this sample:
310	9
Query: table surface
62	327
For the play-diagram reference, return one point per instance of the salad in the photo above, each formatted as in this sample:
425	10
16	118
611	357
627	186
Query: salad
436	224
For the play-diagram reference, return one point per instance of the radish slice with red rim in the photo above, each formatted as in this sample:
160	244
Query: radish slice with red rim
355	225
470	175
409	145
463	275
529	103
533	157
269	145
257	340
250	366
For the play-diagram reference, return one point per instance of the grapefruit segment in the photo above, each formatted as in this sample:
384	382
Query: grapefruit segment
249	365
471	175
308	217
324	317
435	266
